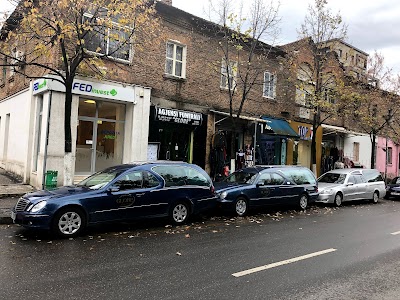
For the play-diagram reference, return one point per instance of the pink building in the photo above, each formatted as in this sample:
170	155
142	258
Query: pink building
393	159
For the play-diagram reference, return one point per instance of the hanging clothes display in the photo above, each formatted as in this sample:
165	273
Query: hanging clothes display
218	155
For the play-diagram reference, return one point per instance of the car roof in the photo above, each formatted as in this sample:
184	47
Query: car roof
130	165
348	170
259	168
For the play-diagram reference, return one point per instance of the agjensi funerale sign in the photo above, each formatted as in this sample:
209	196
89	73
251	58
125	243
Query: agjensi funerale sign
178	116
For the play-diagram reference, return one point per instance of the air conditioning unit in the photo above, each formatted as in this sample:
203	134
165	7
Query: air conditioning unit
18	63
20	60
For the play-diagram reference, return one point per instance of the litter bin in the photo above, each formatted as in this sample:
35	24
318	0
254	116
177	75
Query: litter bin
51	179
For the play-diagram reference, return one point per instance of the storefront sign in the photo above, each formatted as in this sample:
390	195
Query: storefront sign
303	133
178	116
87	88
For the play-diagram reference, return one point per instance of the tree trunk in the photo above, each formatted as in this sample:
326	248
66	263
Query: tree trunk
373	141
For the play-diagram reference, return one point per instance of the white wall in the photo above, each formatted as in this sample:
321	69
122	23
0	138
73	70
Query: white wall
18	106
365	148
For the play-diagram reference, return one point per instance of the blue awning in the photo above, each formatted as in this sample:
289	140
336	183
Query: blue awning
278	127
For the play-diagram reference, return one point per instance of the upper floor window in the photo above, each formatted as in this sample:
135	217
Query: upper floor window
269	86
175	63
304	97
329	95
389	155
4	71
228	75
113	41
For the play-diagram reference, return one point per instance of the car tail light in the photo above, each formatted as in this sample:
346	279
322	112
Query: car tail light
212	189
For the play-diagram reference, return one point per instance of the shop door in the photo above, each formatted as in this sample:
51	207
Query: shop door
99	142
175	143
84	147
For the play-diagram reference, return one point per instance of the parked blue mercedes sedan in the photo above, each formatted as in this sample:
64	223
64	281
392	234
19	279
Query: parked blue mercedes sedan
267	185
119	193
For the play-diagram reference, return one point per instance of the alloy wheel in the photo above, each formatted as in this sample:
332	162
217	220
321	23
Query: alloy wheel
180	213
241	207
69	223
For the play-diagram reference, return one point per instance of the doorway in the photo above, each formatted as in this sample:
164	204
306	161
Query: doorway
99	142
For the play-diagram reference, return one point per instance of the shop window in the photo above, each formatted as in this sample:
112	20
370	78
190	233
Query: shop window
102	40
356	151
39	117
228	75
269	86
175	64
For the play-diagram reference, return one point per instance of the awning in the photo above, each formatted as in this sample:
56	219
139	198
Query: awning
330	129
240	117
279	127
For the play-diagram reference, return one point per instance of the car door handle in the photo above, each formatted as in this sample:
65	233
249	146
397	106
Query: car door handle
140	195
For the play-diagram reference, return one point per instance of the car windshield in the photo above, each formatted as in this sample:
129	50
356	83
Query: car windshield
241	177
332	178
100	179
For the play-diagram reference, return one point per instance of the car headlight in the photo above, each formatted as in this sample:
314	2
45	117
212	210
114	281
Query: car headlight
223	195
38	206
327	191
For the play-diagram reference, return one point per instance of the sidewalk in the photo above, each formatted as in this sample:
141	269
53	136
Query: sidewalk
11	188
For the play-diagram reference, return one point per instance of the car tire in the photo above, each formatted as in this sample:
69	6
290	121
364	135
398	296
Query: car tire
241	206
69	222
338	199
375	198
303	202
179	213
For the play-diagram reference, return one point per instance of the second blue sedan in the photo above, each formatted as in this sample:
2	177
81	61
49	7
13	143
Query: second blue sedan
267	185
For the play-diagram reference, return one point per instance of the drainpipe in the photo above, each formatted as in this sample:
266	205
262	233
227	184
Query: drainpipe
47	142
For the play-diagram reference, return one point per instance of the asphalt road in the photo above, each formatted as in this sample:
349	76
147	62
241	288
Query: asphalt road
324	253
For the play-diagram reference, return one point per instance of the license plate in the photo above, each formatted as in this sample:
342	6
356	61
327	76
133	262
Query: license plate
395	193
13	215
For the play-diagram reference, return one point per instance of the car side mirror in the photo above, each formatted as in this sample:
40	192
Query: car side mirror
261	183
114	189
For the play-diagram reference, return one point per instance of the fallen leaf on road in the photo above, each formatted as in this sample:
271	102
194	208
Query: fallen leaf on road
187	235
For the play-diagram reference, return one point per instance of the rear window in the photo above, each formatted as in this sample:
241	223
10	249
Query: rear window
300	175
372	175
180	175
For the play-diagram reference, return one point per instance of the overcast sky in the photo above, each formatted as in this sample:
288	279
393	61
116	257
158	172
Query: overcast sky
372	25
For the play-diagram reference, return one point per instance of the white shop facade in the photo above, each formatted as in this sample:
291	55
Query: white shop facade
109	126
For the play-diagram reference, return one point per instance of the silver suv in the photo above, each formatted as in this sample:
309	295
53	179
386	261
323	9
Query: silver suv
341	185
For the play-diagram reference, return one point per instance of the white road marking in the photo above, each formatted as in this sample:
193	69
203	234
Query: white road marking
283	262
395	233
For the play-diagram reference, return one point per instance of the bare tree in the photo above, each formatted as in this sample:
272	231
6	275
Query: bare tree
325	30
242	35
